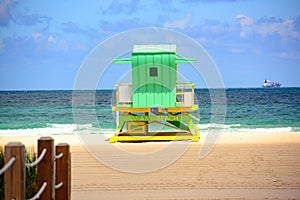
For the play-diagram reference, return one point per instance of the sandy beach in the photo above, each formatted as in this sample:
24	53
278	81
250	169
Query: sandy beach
241	165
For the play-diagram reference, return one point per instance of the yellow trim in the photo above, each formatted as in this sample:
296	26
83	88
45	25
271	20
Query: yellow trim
193	138
185	84
183	109
195	118
122	84
130	109
175	109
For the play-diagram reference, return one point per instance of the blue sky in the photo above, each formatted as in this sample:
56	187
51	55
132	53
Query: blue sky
43	43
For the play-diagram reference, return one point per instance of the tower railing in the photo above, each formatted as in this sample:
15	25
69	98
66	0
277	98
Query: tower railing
184	94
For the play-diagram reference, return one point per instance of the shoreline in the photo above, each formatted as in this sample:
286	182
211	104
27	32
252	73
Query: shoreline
223	138
247	166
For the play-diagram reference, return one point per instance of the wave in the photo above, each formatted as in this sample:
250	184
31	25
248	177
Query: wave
221	126
57	129
240	128
71	129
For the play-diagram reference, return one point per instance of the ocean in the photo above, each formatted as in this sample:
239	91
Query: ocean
52	112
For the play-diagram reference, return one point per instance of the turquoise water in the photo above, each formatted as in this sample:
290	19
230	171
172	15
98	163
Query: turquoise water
259	108
52	112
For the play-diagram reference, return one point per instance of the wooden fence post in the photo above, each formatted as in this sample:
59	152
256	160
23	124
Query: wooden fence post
63	172
14	177
46	168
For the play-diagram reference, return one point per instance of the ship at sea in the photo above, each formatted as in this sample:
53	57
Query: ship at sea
269	84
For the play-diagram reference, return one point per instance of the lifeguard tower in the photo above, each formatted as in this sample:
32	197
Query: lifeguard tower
154	98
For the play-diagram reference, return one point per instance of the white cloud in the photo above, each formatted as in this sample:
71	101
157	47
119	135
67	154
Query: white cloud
36	35
244	20
1	45
5	16
285	29
237	50
51	39
292	55
246	24
182	23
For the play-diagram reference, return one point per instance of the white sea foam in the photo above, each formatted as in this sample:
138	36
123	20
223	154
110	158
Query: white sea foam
57	129
281	129
237	128
54	129
71	129
221	126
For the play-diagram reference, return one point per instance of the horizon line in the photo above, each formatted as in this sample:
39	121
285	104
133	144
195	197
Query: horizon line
97	89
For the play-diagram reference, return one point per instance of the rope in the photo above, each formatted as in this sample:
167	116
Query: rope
38	194
37	160
7	165
59	156
58	185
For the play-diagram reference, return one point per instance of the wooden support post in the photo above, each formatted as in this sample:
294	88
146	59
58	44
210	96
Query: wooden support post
14	177
46	168
63	172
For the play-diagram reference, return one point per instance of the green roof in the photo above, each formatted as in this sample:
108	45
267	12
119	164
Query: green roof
161	48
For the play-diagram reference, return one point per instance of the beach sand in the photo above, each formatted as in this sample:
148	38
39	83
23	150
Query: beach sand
241	165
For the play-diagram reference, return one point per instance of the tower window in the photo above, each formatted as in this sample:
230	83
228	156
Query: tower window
153	72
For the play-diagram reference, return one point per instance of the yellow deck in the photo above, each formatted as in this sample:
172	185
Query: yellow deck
158	137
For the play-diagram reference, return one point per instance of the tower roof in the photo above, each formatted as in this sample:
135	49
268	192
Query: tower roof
154	49
158	48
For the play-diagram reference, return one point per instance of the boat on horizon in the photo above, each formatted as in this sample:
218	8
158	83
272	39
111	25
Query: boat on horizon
269	84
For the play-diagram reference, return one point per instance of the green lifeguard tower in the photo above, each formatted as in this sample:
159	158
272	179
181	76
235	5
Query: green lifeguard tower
154	98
